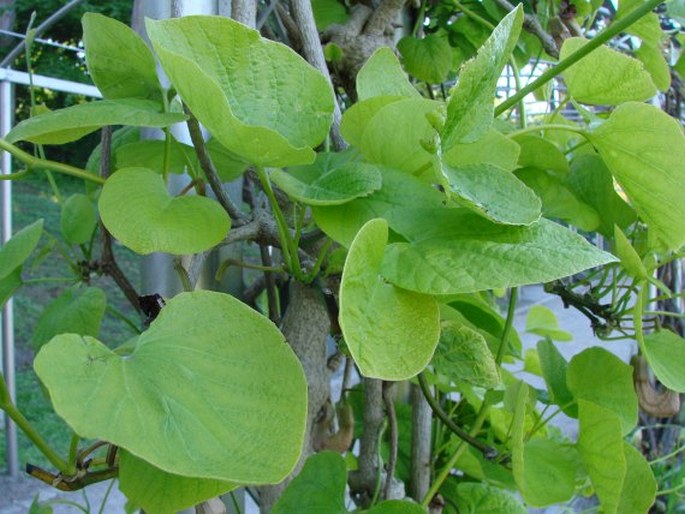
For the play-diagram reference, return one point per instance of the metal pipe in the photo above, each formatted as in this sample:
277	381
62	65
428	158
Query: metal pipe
6	114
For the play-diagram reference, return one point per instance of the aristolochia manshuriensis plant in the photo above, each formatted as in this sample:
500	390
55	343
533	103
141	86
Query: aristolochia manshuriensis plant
435	205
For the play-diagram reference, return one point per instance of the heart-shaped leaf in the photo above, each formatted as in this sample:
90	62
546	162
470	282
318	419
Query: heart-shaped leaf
72	123
665	352
259	98
15	251
136	208
335	187
428	59
382	75
390	333
78	219
192	396
159	492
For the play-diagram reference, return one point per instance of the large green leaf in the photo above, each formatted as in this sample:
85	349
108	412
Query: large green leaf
14	252
591	182
75	311
410	127
159	492
396	507
600	444
390	333
452	251
356	118
543	322
605	76
78	219
382	75
492	148
72	123
538	152
639	486
644	149
665	352
494	193
482	498
342	222
335	187
193	396
137	209
471	105
428	59
597	375
327	12
463	355
318	489
119	62
260	99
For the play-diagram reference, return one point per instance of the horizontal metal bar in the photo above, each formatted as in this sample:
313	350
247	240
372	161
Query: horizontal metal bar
67	86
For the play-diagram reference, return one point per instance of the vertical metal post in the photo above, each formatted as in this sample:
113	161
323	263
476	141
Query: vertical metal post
6	115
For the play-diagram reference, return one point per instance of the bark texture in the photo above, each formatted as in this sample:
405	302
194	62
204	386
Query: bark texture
421	445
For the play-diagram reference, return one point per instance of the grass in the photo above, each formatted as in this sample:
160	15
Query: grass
32	199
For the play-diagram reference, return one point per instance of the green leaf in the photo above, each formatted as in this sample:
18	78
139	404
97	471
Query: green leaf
78	310
639	486
644	149
357	118
598	376
492	148
591	182
554	370
159	492
463	355
482	498
191	397
396	507
531	362
342	222
9	283
494	193
403	151
14	252
557	201
137	209
334	187
228	165
149	154
600	444
538	152
319	487
428	59
382	75
390	333
72	123
471	107
227	74
605	76
328	12
453	252
120	137
78	219
543	322
665	352
119	62
629	258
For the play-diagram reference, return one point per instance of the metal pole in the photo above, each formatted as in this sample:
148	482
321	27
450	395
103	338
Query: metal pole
6	114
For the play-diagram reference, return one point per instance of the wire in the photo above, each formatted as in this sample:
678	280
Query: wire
42	41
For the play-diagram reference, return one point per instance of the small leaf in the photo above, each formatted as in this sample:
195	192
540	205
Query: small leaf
538	152
75	311
119	62
382	75
554	370
9	284
645	150
72	123
665	352
629	258
227	74
492	148
328	12
319	487
428	59
543	322
159	492
598	376
334	187
136	208
454	252
14	252
390	333
639	486
605	76
494	193
470	109
463	355
78	219
190	396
